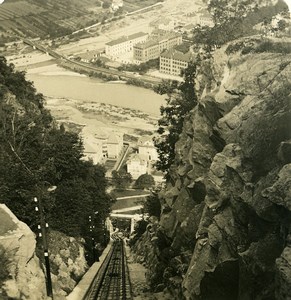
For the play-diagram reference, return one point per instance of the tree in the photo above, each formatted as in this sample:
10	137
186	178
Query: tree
224	10
121	179
232	20
152	205
181	100
35	153
145	181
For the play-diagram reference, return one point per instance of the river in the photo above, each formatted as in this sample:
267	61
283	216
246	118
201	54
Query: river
85	89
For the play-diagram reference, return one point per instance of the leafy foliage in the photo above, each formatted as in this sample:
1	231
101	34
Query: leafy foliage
152	206
141	68
145	181
259	46
223	10
181	100
35	154
233	20
121	179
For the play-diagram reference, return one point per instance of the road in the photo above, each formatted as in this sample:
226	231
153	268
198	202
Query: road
131	197
113	18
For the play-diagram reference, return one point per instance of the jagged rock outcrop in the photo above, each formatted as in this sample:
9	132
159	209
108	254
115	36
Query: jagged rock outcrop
68	263
226	210
26	279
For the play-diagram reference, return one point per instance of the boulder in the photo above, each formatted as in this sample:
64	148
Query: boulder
26	280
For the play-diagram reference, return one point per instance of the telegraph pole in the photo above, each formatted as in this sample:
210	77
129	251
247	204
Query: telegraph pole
42	228
91	226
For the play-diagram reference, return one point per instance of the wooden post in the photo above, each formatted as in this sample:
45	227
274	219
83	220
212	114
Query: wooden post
42	227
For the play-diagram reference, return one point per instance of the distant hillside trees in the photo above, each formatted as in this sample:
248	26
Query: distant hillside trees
223	10
233	20
35	153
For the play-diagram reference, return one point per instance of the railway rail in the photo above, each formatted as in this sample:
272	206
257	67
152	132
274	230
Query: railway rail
112	280
72	64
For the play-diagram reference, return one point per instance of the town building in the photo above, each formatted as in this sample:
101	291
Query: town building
166	24
147	148
100	149
116	4
124	44
152	48
203	20
89	56
137	165
112	145
173	62
92	149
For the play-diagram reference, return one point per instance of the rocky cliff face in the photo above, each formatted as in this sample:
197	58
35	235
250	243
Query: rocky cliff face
26	279
224	231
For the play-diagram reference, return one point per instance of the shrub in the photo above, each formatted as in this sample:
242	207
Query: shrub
152	206
273	47
145	181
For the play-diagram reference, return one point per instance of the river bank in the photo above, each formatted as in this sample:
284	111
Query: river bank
54	81
94	108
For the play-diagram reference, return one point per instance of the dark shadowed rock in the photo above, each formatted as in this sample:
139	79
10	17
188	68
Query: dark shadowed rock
227	204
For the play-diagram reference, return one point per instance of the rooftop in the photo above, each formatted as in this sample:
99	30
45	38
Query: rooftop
136	157
126	38
144	139
177	55
114	138
155	40
147	44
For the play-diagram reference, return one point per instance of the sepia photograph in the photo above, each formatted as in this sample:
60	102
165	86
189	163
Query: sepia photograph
145	150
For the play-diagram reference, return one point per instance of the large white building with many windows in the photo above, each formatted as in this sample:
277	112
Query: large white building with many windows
173	62
152	48
124	44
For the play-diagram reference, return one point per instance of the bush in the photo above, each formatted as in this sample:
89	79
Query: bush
141	68
152	206
145	181
121	179
273	47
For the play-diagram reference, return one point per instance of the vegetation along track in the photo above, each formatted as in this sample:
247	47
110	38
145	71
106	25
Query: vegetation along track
112	280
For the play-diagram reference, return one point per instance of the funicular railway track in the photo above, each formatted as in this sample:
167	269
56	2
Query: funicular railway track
112	280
